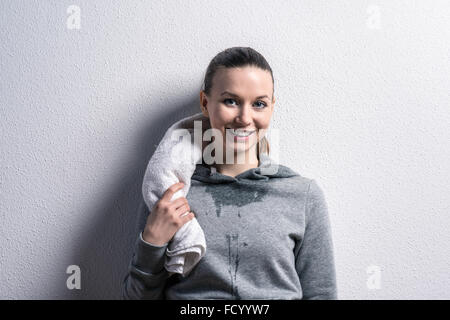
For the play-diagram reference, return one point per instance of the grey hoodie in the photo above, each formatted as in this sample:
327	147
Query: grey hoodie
268	236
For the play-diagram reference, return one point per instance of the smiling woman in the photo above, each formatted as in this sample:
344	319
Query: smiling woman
267	231
238	98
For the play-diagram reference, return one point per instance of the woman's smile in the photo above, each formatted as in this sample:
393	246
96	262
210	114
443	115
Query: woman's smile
240	136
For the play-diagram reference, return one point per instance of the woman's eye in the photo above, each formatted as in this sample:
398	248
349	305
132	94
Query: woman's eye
260	106
262	103
225	101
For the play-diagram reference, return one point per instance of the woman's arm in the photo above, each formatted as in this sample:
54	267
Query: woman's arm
146	275
314	260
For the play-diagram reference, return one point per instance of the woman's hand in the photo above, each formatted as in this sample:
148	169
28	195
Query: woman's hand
165	218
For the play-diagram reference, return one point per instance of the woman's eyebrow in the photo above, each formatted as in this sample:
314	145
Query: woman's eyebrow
235	95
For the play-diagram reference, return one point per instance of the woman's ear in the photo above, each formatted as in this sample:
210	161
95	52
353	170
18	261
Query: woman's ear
205	111
203	103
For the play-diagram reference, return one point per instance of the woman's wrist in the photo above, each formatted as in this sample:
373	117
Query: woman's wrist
147	237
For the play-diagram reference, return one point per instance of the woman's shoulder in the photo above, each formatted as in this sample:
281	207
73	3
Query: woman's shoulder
288	172
275	169
291	181
301	182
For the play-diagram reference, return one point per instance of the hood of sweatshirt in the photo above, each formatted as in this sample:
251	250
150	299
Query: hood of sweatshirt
266	170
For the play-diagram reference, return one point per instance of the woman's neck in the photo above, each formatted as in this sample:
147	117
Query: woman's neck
238	165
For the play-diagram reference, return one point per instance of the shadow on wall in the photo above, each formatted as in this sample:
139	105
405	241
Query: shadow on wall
107	241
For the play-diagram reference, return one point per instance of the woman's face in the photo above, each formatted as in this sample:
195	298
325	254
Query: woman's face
240	98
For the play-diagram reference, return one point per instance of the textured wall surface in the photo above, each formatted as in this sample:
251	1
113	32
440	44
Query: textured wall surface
363	107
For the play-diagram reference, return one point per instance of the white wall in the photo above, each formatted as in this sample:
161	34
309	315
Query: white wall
364	109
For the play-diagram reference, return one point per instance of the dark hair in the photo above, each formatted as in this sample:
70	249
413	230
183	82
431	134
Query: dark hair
236	57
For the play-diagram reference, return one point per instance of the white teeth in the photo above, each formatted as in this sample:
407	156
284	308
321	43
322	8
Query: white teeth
240	133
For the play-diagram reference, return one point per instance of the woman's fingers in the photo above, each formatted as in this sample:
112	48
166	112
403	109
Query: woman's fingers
182	209
167	196
189	216
179	202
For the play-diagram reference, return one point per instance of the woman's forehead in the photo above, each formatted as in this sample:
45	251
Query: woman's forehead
243	80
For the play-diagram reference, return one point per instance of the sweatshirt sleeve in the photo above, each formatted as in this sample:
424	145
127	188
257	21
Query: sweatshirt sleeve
314	261
146	275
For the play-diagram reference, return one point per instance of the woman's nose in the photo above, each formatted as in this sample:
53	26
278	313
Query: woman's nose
245	115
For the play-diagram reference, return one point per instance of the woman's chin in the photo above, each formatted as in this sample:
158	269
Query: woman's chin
240	149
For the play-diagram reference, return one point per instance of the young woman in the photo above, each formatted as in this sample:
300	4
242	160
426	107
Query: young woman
268	233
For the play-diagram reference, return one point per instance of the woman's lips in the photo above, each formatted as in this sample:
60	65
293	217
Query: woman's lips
237	138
